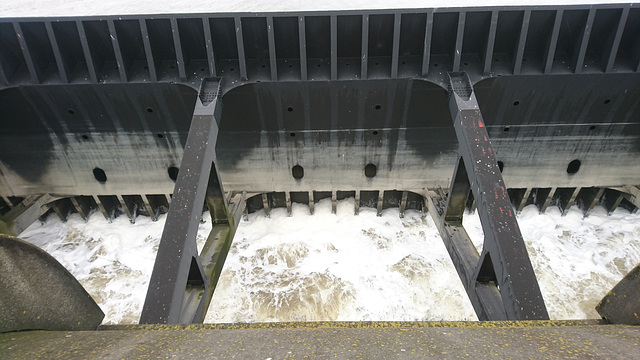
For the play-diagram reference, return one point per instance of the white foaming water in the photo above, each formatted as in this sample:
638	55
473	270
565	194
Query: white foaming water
345	267
577	260
338	267
112	261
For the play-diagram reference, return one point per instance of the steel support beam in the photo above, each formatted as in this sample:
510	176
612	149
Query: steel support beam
484	296
635	195
403	203
523	201
591	198
62	208
24	214
82	206
183	281
500	282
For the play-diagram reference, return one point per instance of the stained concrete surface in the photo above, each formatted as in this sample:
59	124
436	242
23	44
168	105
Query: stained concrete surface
405	340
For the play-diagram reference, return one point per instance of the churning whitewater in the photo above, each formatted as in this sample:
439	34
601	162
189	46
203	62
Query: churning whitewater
345	267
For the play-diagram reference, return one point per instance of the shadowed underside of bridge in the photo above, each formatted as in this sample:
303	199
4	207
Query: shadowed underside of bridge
427	109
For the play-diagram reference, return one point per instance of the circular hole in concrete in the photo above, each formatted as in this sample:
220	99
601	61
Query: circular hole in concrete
516	103
100	175
592	127
71	111
160	136
378	107
173	173
85	137
292	134
370	170
573	166
607	101
149	110
506	128
290	109
375	132
297	172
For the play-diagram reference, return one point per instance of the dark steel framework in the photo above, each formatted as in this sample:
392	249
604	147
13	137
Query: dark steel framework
500	283
125	114
183	280
344	45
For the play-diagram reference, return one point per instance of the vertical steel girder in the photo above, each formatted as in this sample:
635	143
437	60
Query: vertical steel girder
500	282
183	281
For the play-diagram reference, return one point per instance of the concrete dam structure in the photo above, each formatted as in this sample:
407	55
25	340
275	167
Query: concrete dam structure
438	110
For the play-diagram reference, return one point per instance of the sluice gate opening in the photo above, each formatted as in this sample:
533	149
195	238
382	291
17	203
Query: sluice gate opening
436	110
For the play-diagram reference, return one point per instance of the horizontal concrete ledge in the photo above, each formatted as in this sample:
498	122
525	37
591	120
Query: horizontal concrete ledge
342	340
356	325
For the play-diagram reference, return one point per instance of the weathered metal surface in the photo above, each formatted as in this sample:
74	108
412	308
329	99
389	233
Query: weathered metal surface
484	296
24	214
179	287
110	93
316	105
621	305
38	293
504	267
329	45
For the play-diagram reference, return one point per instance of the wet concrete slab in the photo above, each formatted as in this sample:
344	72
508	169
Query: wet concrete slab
369	340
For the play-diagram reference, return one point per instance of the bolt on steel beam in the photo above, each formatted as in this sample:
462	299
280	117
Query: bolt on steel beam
504	265
183	281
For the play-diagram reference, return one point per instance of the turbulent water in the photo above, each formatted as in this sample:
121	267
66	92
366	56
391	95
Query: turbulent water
344	267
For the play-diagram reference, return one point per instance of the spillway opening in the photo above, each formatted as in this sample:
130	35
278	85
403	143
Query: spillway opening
341	266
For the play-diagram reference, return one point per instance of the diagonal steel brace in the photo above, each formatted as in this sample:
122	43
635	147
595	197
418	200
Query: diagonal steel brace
183	281
500	282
